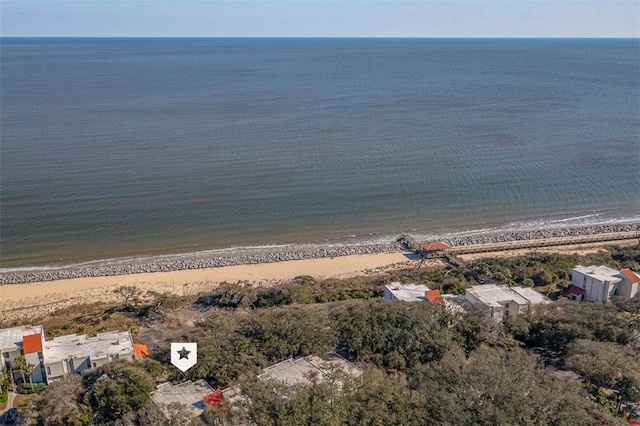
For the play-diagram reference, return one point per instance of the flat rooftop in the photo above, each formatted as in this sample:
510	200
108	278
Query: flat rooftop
531	295
601	273
408	292
496	296
11	338
79	346
296	373
189	394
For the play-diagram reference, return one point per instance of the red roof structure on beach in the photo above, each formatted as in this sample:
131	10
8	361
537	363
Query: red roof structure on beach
630	275
434	297
575	290
32	343
214	399
435	246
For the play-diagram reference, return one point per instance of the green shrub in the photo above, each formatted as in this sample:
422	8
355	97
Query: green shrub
27	389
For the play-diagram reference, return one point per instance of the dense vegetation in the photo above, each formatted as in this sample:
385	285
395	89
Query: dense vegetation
566	364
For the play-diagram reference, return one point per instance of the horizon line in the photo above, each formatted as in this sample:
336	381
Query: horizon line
324	37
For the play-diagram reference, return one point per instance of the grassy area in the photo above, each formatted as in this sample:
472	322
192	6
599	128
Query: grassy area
4	396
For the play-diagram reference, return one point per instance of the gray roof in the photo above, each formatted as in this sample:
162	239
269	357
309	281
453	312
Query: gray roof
408	292
601	273
11	338
298	372
102	346
189	394
496	296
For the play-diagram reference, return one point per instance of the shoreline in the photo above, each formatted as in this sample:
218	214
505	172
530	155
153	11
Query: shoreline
198	261
26	301
44	298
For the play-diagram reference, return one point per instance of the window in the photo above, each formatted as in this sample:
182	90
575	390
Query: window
48	371
584	282
94	365
6	355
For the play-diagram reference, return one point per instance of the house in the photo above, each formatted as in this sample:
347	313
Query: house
600	283
73	354
504	301
295	373
54	359
405	292
25	340
194	396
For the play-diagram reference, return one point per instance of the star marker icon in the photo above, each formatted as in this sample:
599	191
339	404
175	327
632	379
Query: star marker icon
184	353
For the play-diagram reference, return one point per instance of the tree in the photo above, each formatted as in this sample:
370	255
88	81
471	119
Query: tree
556	325
286	333
181	415
60	405
5	379
116	389
609	366
393	335
26	369
500	387
128	293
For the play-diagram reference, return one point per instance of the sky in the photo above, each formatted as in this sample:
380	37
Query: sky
320	18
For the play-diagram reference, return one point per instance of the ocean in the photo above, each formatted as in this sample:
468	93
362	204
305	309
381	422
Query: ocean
113	148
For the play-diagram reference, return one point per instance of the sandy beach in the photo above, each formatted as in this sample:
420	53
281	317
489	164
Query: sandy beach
23	301
42	298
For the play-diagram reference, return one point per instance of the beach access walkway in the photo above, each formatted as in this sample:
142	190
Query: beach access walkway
545	242
534	243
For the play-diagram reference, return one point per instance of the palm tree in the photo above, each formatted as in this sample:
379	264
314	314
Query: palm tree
20	362
5	379
29	369
26	369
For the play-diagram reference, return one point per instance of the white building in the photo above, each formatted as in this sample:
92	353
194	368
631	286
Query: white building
75	353
406	292
503	301
25	340
600	283
190	395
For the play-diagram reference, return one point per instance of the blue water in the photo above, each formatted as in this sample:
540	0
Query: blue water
124	147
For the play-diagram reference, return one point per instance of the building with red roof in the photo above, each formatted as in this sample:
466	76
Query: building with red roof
214	399
435	298
600	283
435	246
27	341
576	293
63	355
32	343
630	275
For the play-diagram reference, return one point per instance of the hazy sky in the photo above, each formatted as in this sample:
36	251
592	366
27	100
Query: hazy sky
321	18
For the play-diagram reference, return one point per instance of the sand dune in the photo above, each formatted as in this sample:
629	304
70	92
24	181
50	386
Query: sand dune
24	301
33	300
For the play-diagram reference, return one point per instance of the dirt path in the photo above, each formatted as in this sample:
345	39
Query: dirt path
12	397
